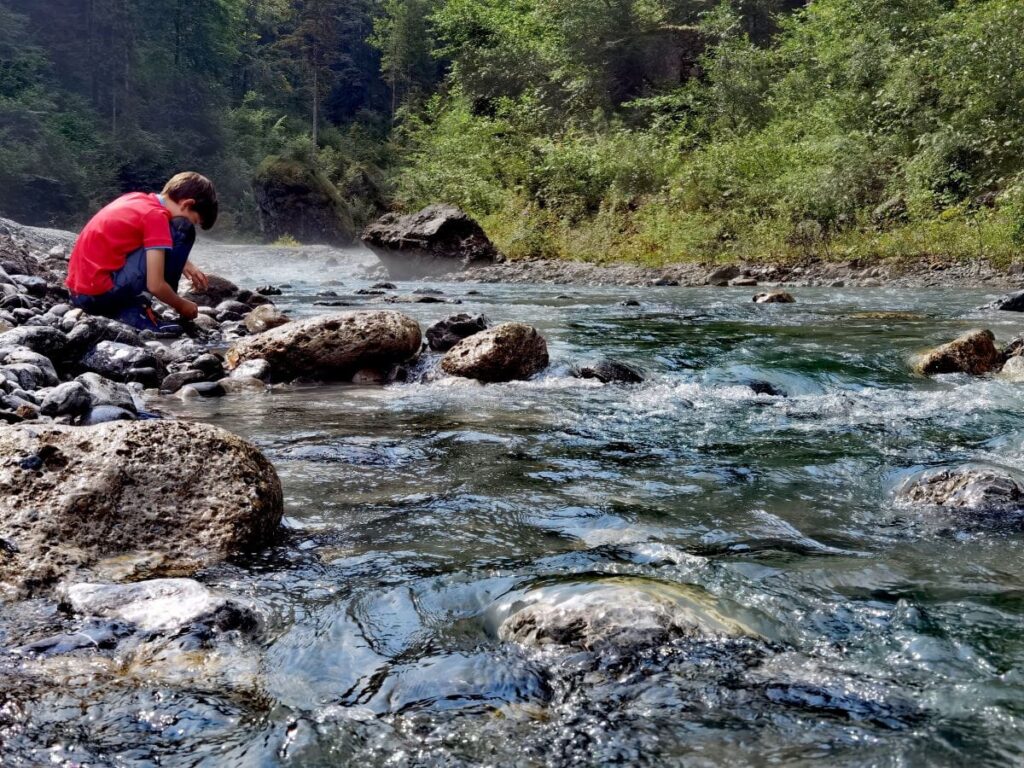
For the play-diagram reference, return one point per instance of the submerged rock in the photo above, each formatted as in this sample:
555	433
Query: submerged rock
974	352
152	606
774	297
976	489
332	347
609	371
615	612
445	334
433	241
506	352
265	317
71	497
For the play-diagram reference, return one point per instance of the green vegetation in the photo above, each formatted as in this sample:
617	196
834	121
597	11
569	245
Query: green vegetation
643	130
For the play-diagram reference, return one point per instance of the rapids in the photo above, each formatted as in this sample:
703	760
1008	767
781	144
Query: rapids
416	514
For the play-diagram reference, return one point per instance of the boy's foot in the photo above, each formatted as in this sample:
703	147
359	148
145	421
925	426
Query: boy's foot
144	318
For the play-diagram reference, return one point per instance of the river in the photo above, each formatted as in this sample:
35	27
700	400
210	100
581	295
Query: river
886	635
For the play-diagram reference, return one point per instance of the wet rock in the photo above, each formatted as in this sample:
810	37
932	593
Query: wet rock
28	376
1013	369
42	339
252	369
234	385
219	290
427	292
202	389
104	414
207	324
609	371
149	378
612	613
68	399
106	392
211	366
743	282
435	240
156	605
175	381
445	334
721	276
264	318
630	303
268	290
332	347
977	489
90	330
383	286
1012	303
188	492
114	360
774	297
504	353
34	286
663	282
974	352
760	387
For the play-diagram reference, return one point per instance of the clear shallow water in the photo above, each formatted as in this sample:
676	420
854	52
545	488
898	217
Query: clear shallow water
889	636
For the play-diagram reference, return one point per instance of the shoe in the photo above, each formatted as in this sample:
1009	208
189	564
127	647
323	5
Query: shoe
143	318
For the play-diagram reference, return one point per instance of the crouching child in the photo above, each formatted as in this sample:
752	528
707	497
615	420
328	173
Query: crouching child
138	247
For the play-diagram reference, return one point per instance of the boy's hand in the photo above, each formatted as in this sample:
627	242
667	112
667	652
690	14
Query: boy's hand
188	309
196	276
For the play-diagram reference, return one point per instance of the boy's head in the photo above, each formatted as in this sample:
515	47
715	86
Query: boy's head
195	194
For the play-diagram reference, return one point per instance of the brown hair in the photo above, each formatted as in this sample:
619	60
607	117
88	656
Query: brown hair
195	186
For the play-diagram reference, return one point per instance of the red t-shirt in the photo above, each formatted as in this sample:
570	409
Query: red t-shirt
133	221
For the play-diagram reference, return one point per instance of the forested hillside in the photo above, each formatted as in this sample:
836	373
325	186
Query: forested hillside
650	130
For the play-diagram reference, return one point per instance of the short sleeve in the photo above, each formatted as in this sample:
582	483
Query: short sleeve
156	230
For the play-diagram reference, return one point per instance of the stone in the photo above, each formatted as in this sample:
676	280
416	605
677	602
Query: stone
104	414
268	290
154	605
612	613
774	297
34	286
113	360
264	318
201	389
252	369
332	347
106	392
974	352
609	371
25	376
232	306
436	240
68	399
90	330
296	200
1012	303
189	493
148	377
505	352
220	289
175	381
207	323
976	489
1013	369
211	366
445	334
743	282
234	385
41	339
384	286
722	275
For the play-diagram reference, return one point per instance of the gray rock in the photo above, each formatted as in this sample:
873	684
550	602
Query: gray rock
506	352
90	330
44	340
202	389
722	275
211	366
332	347
114	360
21	355
264	318
187	493
976	489
445	334
233	307
104	414
610	371
435	240
68	399
175	381
974	352
36	286
1012	303
252	369
106	392
220	289
1013	369
774	297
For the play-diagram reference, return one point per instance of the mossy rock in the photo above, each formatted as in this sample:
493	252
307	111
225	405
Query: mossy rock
299	201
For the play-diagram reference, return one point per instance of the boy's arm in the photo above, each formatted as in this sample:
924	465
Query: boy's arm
156	285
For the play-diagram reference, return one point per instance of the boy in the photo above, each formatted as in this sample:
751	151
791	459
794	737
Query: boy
141	243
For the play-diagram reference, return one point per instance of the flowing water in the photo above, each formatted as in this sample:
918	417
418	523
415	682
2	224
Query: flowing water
886	635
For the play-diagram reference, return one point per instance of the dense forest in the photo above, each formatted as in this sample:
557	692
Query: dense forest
646	130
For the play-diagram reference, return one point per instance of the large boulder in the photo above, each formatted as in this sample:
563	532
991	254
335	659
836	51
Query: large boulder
298	201
975	489
974	352
436	240
1012	303
332	347
505	352
183	494
611	613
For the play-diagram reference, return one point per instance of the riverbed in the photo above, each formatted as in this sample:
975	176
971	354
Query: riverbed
756	464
